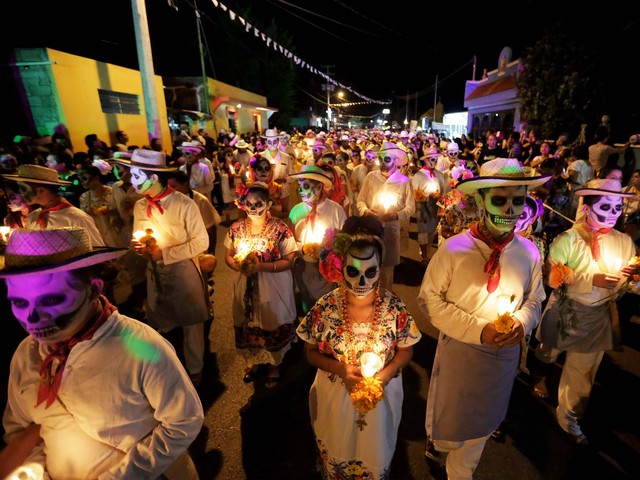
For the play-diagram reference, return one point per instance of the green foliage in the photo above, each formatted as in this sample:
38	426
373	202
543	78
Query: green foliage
561	86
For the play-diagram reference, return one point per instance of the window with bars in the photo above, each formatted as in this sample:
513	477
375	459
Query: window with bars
118	102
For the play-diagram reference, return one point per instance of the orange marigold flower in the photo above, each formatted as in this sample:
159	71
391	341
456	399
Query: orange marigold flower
367	393
559	274
503	323
419	195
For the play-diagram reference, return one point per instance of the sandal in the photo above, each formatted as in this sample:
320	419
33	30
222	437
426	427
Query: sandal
498	434
540	389
250	374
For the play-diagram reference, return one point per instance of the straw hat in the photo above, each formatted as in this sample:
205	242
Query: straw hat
242	144
393	150
603	186
53	250
193	146
36	174
147	160
271	133
501	172
313	172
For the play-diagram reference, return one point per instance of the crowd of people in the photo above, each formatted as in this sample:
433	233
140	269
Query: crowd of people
526	243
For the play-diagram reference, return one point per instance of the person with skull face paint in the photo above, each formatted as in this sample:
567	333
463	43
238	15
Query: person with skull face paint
389	183
310	219
357	317
176	296
600	258
475	366
263	307
282	162
262	170
109	392
39	186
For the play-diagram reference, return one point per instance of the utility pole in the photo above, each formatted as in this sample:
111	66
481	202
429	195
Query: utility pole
435	99
329	87
145	62
473	76
205	83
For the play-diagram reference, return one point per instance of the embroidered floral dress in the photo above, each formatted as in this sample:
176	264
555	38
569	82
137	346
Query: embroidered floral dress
263	304
350	448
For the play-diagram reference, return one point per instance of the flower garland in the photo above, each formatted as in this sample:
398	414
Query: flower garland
560	277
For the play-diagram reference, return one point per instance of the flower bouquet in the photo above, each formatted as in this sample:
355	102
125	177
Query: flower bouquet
366	394
504	322
560	277
311	249
419	195
634	262
246	263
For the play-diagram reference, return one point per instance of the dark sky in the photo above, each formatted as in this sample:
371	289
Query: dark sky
382	53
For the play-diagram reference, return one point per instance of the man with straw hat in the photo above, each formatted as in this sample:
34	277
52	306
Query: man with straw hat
600	266
475	278
176	293
39	186
310	219
387	193
109	393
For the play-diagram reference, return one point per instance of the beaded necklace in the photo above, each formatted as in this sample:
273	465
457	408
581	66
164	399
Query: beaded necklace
372	330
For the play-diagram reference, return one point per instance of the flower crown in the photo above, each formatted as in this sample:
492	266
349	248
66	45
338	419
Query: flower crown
335	246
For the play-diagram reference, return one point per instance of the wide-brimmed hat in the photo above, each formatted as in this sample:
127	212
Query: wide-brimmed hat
193	146
36	174
52	250
242	144
313	172
146	160
393	150
120	155
320	144
271	133
501	172
603	186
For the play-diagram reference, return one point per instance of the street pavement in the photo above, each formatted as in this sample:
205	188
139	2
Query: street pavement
252	432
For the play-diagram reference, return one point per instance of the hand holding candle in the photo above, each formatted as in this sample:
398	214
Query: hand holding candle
369	391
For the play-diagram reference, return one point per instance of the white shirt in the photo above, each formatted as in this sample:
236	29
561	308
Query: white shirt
210	215
398	185
180	230
68	217
329	214
131	409
201	178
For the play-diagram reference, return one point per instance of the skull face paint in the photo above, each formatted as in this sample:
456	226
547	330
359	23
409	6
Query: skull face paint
272	143
503	207
605	212
47	306
387	165
15	201
309	190
263	169
361	271
256	207
140	181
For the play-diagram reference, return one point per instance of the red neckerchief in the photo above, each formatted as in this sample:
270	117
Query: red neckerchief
153	201
595	233
492	267
43	216
429	169
313	213
49	385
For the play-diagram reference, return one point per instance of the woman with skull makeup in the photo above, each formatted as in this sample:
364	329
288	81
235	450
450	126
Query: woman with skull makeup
600	261
98	202
357	317
474	277
262	170
260	251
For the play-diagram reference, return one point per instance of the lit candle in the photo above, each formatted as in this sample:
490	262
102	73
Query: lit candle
138	234
387	200
370	363
316	234
506	304
28	471
248	174
432	187
617	265
5	231
243	249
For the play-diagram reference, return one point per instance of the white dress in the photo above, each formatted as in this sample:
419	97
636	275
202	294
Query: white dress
350	448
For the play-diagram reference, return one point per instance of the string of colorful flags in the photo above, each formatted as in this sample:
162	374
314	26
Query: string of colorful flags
248	28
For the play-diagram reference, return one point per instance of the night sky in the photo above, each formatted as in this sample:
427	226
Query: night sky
383	53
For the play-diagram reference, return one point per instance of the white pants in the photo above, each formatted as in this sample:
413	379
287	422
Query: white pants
462	457
193	347
576	382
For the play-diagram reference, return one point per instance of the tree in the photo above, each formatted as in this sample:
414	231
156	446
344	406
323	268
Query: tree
561	86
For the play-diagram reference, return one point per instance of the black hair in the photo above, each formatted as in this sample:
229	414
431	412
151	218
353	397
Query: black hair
179	176
365	229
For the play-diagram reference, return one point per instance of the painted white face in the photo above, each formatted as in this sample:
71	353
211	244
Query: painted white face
140	181
361	274
370	158
272	143
15	200
309	190
46	305
256	207
605	212
526	218
503	207
387	165
341	161
263	169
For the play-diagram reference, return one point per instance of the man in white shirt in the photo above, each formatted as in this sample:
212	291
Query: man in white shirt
110	394
175	286
198	168
473	278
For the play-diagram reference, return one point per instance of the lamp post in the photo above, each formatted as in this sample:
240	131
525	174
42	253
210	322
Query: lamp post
340	95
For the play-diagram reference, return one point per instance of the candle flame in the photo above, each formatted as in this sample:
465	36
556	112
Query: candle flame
316	234
370	364
506	304
138	234
5	231
387	200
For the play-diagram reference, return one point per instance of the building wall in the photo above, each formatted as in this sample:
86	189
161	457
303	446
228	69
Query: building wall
78	80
